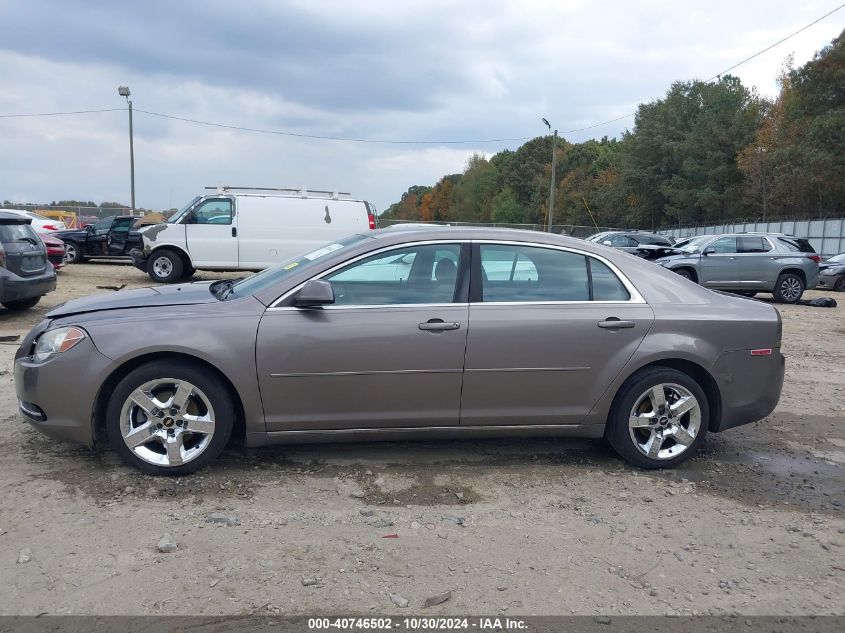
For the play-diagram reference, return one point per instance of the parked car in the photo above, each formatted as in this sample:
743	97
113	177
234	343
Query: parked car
748	263
25	273
55	250
40	223
583	340
640	243
112	236
246	229
832	273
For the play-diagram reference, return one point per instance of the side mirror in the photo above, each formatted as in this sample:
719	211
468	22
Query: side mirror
709	251
314	294
607	243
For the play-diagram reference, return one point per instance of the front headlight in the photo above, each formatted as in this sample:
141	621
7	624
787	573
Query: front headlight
833	271
53	342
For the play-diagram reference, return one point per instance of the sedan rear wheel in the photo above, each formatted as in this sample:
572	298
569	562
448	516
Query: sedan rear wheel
658	419
170	418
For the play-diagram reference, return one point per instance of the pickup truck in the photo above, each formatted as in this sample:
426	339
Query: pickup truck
110	237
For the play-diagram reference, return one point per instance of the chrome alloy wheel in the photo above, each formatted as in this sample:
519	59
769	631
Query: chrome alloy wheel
790	289
70	253
162	267
167	422
664	421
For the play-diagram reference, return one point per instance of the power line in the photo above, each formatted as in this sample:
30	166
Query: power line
19	116
330	138
719	74
779	42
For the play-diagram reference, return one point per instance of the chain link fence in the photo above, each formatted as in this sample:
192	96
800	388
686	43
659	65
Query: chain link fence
826	235
86	214
574	230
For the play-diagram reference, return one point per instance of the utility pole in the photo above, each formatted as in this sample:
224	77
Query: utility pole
554	165
123	91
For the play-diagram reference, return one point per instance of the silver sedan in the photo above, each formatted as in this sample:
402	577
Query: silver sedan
438	332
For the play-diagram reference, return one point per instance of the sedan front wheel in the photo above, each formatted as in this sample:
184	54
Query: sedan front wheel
170	418
659	418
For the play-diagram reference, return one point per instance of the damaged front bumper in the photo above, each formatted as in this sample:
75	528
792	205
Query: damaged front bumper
139	259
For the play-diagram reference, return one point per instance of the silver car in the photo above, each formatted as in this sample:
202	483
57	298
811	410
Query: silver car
440	332
748	263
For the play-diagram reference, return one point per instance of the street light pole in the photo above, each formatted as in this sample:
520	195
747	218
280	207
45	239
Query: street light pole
123	91
552	186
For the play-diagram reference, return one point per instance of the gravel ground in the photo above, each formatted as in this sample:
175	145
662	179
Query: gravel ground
753	525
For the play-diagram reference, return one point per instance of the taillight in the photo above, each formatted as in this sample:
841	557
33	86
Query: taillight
50	227
2	256
815	258
371	218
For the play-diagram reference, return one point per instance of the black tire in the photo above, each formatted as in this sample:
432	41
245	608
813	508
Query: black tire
23	304
165	266
686	273
189	272
839	286
619	435
73	253
205	380
745	293
788	288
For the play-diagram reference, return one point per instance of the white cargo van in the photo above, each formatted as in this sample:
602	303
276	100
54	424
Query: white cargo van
247	228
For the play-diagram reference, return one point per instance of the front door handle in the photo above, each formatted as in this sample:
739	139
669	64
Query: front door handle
438	325
234	231
613	323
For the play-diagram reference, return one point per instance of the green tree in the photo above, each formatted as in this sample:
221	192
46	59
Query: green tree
505	208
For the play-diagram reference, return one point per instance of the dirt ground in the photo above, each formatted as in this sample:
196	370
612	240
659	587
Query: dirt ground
753	525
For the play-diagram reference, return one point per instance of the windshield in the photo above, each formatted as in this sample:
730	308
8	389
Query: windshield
270	276
693	244
176	217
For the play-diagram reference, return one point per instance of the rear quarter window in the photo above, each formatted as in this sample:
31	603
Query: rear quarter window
797	244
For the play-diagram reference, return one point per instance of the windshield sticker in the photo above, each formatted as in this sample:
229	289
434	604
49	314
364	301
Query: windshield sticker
322	251
291	266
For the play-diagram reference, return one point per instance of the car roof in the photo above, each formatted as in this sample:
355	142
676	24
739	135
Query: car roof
7	216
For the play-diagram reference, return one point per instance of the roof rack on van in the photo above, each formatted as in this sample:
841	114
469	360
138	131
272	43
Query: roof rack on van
302	191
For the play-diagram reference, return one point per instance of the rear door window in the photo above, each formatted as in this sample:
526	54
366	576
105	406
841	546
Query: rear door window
516	274
606	285
748	244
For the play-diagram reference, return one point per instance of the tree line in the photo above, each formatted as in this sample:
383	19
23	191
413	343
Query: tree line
706	153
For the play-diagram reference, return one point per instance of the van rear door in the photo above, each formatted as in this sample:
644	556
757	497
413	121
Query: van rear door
211	233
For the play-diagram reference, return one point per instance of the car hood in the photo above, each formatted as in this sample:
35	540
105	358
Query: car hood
677	256
181	294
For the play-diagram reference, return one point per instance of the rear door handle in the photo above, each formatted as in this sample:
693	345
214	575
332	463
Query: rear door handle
438	325
612	323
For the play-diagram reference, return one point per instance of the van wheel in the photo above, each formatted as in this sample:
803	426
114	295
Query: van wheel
23	304
659	418
170	418
165	267
788	288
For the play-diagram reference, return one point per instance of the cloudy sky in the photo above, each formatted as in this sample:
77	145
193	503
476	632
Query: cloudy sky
396	70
